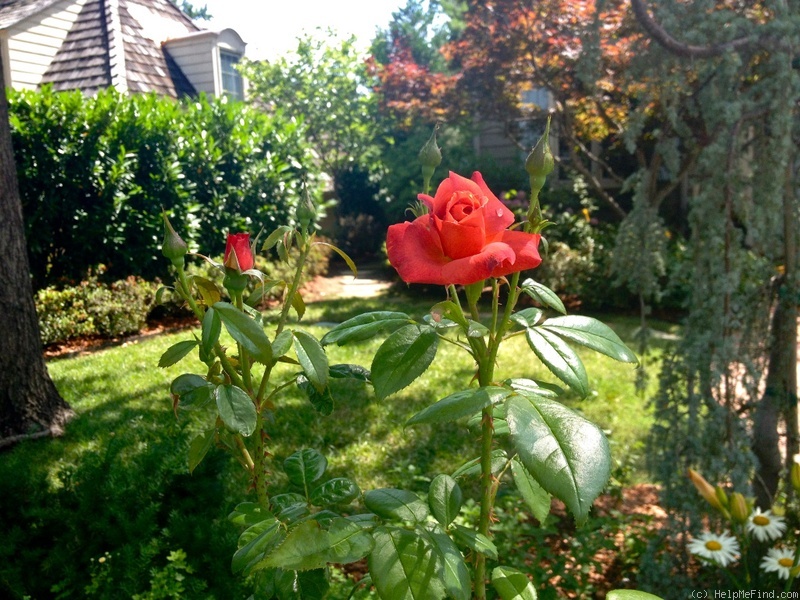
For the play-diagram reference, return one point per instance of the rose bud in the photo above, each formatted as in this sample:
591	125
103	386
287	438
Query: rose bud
430	157
173	247
238	253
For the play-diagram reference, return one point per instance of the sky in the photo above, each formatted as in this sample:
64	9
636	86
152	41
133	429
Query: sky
270	27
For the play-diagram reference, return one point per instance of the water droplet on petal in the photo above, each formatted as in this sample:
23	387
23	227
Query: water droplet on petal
499	212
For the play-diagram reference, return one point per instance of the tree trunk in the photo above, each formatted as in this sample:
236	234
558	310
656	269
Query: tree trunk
771	407
30	405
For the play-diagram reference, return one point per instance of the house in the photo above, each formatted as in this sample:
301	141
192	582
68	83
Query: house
135	46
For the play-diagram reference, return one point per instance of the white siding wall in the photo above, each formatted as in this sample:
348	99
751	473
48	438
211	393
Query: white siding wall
195	57
33	42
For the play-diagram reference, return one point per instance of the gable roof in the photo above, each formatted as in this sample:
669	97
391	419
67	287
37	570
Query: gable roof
14	11
113	43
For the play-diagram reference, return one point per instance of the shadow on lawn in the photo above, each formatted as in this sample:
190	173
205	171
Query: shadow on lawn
95	514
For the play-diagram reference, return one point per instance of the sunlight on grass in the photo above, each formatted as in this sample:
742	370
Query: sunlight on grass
118	479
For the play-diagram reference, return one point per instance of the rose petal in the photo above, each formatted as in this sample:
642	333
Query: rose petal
415	252
464	271
526	252
460	240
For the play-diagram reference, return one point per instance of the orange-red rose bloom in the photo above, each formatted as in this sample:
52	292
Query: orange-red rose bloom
463	239
238	252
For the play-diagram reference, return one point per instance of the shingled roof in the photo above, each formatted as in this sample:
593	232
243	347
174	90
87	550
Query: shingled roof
114	43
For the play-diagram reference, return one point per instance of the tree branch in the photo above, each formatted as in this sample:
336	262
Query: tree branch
660	35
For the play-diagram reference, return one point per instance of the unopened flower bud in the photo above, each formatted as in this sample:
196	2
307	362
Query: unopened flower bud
430	157
739	509
722	497
706	490
306	211
794	476
540	162
173	247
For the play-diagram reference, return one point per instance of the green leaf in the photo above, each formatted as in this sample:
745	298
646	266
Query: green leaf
312	358
260	538
236	409
543	295
567	454
403	357
475	329
403	566
308	546
348	542
263	288
248	513
199	447
301	585
340	490
630	595
282	343
535	496
562	360
364	327
212	327
474	540
299	305
460	404
473	466
322	401
281	502
305	466
533	386
349	261
512	584
246	331
275	236
209	290
193	390
391	503
528	317
346	371
593	334
444	499
453	570
176	352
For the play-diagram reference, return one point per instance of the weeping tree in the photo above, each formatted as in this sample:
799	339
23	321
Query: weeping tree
729	87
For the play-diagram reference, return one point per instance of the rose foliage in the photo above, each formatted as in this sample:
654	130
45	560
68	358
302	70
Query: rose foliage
295	526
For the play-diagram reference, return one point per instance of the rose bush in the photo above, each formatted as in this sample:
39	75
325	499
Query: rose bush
463	239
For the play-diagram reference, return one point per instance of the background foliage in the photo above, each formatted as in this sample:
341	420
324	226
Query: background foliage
94	174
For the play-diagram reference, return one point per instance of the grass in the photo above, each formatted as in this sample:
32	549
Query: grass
104	511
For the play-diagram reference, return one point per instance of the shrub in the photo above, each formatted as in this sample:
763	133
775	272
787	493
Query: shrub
93	308
95	172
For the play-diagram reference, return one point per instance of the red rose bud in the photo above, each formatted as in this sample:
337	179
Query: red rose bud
238	253
463	239
173	247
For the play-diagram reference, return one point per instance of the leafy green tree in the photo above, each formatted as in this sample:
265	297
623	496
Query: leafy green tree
192	11
324	83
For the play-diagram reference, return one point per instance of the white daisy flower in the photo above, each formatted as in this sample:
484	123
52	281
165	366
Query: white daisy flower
779	560
722	549
765	526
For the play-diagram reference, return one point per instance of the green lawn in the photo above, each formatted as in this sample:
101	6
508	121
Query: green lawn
107	510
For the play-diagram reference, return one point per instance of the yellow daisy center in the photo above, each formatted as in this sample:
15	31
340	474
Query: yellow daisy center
761	520
786	562
713	545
